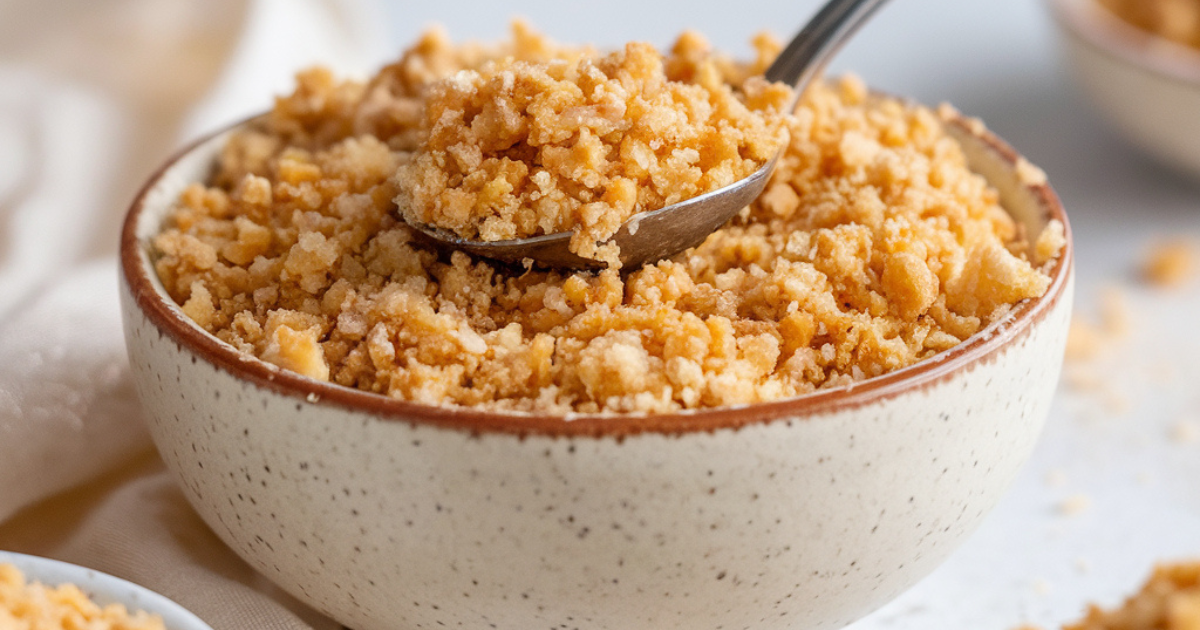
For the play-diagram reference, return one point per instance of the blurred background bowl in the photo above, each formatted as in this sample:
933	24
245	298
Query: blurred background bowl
104	589
1148	87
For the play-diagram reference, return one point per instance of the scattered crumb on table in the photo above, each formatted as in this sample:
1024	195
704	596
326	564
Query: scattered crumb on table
1170	263
31	605
1169	600
1075	505
1089	337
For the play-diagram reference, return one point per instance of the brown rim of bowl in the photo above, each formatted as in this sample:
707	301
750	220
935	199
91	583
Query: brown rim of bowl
171	321
1095	26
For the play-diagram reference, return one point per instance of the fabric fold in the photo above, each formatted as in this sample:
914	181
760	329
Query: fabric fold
92	98
68	411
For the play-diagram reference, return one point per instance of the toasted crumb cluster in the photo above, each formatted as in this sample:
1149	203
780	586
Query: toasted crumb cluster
518	149
1170	263
1176	20
1170	600
872	248
35	606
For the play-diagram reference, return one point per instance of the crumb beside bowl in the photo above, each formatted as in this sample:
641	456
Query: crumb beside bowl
103	589
806	512
1146	86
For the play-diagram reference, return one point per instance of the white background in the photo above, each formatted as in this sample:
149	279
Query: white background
1114	443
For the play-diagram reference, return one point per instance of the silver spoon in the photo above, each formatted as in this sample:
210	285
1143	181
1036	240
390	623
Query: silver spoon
651	236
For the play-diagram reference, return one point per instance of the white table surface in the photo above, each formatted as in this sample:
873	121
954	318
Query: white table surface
998	59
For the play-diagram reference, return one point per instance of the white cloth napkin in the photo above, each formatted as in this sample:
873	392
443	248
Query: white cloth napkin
93	95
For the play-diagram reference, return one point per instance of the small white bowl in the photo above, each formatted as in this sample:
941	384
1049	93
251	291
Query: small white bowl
1146	86
104	589
800	513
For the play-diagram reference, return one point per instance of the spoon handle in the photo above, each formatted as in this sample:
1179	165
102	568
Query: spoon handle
806	55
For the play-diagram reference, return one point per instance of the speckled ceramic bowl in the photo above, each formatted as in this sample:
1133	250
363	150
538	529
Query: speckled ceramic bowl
804	513
104	589
1146	86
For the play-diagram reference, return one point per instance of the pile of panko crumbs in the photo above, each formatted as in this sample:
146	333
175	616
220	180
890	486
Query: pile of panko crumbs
872	248
519	149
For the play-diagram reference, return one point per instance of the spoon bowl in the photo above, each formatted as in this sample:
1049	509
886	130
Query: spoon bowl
644	238
654	235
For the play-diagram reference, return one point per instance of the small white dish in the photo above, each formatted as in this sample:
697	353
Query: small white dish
104	589
1146	86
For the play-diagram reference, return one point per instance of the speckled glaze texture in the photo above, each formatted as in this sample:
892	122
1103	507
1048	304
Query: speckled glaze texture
802	514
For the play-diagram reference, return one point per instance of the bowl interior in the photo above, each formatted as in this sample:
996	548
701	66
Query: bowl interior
1030	201
104	589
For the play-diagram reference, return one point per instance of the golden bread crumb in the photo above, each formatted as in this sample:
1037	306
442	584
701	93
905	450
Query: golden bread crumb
1029	173
1169	600
1050	242
35	606
1170	263
1087	338
873	247
518	149
1075	505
